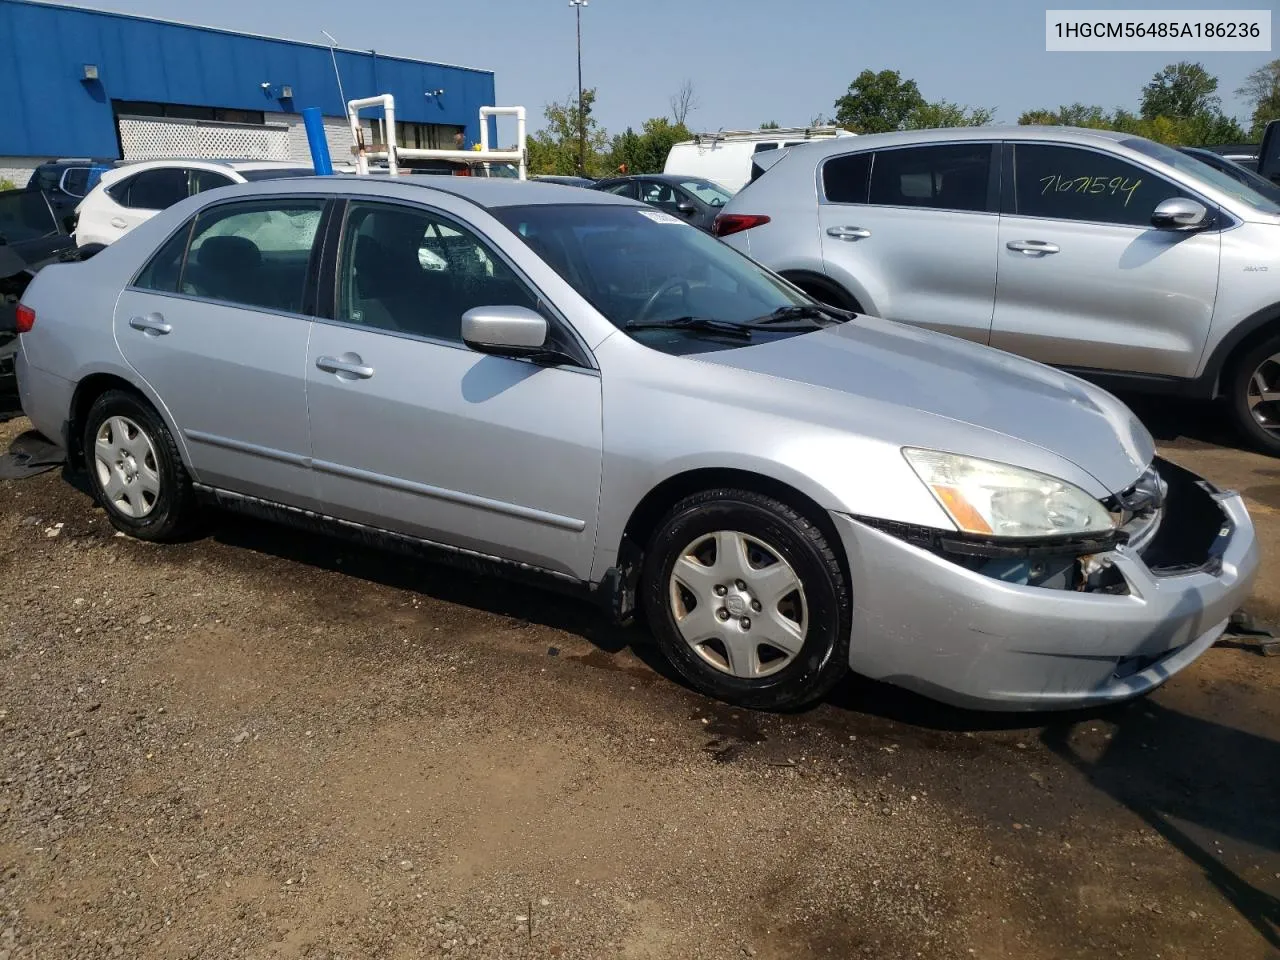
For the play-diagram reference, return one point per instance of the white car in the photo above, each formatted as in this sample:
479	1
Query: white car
136	192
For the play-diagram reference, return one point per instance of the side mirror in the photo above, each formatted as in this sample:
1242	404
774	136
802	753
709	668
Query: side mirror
1178	213
685	207
505	331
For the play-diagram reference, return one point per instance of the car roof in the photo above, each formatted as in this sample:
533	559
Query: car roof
487	192
229	163
873	141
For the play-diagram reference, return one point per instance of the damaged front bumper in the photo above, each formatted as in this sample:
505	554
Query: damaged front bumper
962	633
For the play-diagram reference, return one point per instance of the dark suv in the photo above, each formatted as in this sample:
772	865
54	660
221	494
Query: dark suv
66	182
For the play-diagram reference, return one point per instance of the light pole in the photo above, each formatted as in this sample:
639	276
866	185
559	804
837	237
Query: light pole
582	115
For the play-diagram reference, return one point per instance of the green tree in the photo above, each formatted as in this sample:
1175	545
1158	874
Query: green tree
1262	89
878	102
944	113
1180	91
554	149
770	125
646	152
1074	115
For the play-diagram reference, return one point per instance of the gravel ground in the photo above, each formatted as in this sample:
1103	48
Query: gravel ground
265	744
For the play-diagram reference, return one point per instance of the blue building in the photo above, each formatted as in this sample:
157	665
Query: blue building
83	83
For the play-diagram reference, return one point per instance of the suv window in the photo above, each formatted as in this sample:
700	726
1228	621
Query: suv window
256	254
762	147
75	182
410	271
202	180
1070	183
152	189
952	176
845	179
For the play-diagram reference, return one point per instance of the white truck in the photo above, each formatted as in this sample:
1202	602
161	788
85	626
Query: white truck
725	157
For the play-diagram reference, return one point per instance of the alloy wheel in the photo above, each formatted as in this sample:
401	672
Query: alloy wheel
1264	395
125	461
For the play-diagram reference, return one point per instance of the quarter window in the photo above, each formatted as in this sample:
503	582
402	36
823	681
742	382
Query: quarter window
844	179
410	271
943	177
1066	183
254	254
164	270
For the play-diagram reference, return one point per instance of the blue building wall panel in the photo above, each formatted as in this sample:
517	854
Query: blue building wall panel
47	109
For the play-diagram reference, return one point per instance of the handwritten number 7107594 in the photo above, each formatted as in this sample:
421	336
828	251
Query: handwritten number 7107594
1091	186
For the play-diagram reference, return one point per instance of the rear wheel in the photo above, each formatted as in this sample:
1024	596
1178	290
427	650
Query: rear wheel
747	600
135	470
1254	395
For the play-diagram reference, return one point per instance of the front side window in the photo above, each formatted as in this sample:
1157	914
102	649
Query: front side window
254	254
626	188
410	271
156	189
659	194
1070	183
713	195
951	176
642	268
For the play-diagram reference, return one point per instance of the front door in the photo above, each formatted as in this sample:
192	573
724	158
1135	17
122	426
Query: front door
913	231
414	432
1086	281
222	340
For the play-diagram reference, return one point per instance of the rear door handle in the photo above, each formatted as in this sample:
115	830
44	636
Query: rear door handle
118	223
1032	247
348	367
848	233
153	324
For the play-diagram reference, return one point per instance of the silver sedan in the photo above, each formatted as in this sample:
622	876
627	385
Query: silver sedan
563	385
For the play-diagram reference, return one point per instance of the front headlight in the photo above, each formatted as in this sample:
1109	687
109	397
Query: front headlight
998	500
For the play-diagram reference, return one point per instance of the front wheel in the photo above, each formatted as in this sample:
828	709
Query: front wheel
747	600
1254	394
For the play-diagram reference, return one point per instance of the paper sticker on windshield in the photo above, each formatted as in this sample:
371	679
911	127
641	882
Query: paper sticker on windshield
657	216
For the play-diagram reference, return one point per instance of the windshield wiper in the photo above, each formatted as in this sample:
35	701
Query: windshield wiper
699	324
801	312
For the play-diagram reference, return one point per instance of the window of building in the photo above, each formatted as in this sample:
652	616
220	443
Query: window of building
418	136
177	111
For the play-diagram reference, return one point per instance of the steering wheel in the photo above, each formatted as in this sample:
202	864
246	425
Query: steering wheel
662	291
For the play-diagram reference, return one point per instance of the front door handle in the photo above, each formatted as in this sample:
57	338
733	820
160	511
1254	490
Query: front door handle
349	366
848	233
119	223
1032	248
153	324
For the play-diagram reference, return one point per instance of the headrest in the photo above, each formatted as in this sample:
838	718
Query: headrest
229	254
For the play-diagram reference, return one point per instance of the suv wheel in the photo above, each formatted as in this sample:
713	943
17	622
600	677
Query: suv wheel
747	601
135	470
1254	393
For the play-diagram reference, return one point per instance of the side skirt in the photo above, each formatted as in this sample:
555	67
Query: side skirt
602	594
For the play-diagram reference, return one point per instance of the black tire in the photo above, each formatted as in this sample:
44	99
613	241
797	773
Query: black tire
1238	387
170	513
824	656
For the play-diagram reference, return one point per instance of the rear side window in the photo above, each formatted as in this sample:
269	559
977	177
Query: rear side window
943	177
164	270
254	254
844	179
152	189
1068	183
202	180
762	147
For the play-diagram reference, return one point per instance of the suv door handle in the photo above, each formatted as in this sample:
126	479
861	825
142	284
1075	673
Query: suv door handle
1032	247
347	367
152	324
119	223
848	233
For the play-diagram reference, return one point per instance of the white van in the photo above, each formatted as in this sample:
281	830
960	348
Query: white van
725	157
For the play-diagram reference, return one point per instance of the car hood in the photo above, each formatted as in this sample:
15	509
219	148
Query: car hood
966	383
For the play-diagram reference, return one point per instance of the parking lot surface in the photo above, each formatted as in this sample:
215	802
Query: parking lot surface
267	744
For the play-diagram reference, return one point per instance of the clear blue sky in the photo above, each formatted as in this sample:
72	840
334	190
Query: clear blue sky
750	60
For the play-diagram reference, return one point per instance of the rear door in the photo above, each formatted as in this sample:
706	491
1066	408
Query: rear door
1085	280
217	323
912	232
142	196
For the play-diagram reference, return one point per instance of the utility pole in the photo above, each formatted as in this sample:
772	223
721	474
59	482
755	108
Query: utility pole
582	113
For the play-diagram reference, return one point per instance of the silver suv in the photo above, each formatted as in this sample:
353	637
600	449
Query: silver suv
1109	255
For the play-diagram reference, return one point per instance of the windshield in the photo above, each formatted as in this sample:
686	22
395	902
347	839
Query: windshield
637	265
709	193
1202	171
25	215
1236	171
273	173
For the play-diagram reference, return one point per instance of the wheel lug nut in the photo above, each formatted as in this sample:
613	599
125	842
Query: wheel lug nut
721	589
746	623
740	585
722	613
755	605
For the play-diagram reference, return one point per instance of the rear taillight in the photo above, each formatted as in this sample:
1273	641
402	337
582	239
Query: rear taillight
26	318
730	223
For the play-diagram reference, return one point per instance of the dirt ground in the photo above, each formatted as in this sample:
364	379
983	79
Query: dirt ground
266	744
